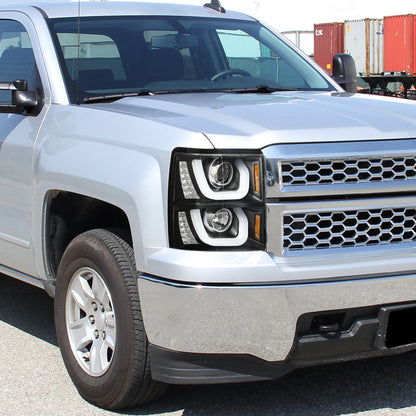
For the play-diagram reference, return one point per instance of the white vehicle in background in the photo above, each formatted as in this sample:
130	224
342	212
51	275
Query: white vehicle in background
204	203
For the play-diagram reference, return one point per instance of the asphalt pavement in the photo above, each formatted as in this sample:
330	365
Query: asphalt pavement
34	382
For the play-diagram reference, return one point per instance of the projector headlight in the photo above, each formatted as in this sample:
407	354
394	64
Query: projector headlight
217	201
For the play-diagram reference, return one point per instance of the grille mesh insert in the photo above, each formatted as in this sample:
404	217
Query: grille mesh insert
352	228
343	171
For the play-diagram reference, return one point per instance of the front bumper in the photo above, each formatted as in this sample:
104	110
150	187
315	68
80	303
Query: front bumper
262	321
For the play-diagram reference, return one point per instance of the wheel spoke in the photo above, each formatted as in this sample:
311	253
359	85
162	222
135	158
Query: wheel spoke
110	338
95	358
81	293
80	332
99	290
98	356
79	297
88	292
110	320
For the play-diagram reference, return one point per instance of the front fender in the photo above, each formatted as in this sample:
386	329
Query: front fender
119	159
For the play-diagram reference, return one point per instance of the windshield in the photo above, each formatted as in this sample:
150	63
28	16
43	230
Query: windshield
122	55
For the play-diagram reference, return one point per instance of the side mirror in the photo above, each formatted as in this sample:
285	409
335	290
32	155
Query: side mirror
344	72
21	98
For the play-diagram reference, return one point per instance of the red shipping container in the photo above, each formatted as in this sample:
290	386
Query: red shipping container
328	40
399	44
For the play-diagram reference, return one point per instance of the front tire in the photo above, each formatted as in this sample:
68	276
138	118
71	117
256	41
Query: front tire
99	323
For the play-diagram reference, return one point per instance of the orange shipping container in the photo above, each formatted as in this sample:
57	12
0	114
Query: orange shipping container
399	44
328	40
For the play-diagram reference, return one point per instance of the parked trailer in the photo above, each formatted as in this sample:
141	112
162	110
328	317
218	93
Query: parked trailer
394	84
399	75
384	51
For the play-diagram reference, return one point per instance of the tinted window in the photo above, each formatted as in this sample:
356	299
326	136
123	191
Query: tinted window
16	57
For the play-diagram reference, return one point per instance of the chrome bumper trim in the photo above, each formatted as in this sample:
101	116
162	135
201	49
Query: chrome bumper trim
256	320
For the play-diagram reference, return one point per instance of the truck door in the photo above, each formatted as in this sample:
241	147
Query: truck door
18	134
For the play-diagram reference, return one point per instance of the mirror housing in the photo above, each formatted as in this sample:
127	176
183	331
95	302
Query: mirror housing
344	72
22	100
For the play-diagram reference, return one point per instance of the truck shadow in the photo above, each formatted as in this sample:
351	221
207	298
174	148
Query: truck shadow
27	308
345	388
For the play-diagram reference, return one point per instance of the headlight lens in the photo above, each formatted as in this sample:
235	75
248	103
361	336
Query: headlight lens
217	201
218	222
220	173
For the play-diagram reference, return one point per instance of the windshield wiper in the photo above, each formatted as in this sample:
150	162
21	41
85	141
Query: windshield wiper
116	96
262	89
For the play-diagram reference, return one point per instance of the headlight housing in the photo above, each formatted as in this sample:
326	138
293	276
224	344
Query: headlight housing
217	201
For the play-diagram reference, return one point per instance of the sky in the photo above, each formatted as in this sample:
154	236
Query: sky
302	14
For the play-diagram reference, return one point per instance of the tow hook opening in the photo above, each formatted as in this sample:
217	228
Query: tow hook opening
328	324
401	327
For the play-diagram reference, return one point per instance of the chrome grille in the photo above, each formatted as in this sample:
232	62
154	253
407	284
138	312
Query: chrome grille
347	171
349	228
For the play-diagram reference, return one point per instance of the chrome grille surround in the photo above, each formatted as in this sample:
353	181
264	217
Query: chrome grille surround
337	168
369	211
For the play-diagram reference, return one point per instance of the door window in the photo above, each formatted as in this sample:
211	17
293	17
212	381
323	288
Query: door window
16	54
16	57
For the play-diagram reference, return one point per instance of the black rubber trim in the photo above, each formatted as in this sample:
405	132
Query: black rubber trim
187	368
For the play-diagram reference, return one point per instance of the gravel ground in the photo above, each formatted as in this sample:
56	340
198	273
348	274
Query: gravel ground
33	380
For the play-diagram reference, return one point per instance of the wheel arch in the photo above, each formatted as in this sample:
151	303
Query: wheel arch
67	215
129	185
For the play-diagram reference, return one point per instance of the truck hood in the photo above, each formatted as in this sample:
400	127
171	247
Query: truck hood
232	120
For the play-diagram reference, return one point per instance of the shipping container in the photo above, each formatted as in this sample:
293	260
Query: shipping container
399	44
364	42
328	40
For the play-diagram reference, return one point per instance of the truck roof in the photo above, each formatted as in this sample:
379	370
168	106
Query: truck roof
114	8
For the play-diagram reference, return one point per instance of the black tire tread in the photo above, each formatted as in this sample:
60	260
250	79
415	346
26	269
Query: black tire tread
143	388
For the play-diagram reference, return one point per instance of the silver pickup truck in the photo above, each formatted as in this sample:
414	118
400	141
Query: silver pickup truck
204	203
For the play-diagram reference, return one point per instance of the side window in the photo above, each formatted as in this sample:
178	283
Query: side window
16	55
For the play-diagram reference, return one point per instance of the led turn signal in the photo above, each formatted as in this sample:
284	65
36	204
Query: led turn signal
257	178
257	227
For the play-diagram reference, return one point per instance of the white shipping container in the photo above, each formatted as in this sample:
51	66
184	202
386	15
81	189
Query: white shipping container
364	41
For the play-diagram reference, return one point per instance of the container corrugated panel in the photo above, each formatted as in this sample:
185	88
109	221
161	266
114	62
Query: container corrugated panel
356	43
364	42
414	44
399	44
376	46
328	40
